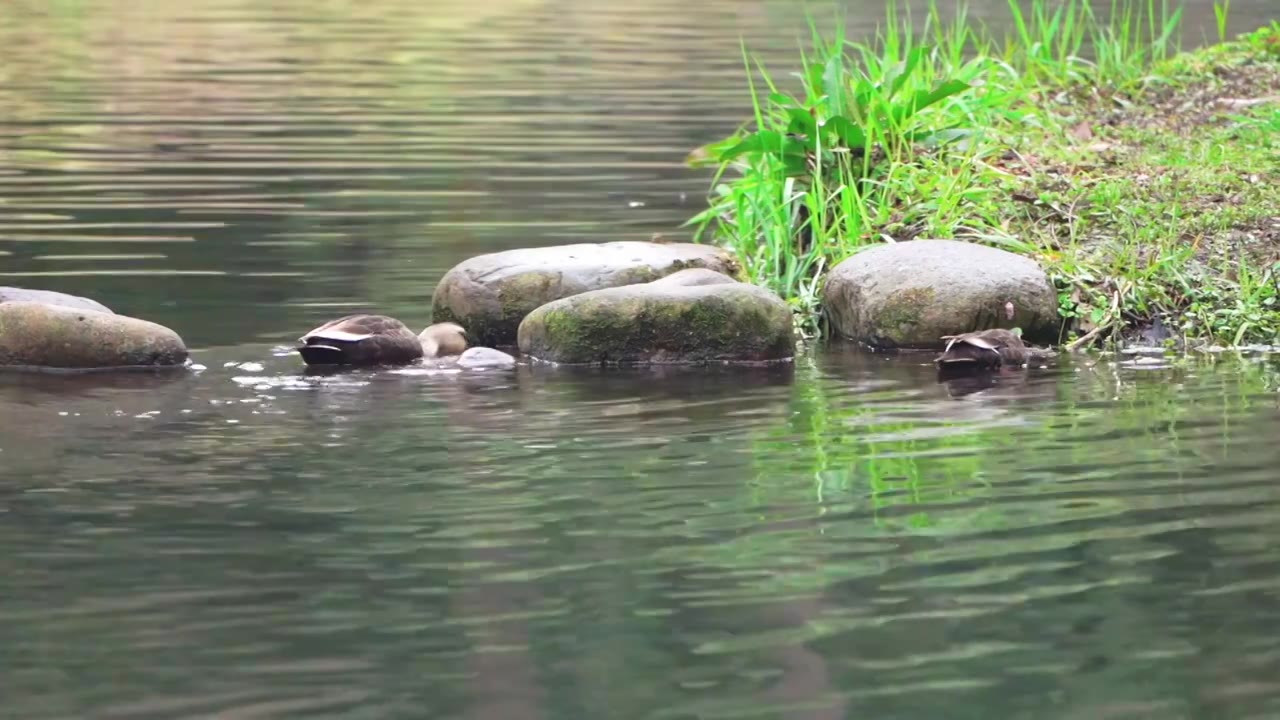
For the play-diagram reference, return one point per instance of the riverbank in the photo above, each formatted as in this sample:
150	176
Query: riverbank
1146	181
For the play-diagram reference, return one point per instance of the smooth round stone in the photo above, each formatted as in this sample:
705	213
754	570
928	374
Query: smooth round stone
51	336
911	294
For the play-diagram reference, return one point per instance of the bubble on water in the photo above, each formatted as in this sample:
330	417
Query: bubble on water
252	367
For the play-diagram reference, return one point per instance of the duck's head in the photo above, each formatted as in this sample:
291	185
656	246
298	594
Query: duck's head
443	340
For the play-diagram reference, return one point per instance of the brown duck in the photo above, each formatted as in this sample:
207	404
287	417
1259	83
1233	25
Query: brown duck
987	349
377	340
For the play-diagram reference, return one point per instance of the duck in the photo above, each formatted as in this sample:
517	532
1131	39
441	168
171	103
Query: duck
368	340
361	339
987	349
443	340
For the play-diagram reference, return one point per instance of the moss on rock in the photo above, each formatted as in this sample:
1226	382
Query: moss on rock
661	323
491	294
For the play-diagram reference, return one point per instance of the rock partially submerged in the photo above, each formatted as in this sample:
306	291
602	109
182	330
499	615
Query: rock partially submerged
49	297
688	317
40	335
911	294
483	358
491	294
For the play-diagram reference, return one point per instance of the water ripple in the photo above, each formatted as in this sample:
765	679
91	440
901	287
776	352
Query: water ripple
842	538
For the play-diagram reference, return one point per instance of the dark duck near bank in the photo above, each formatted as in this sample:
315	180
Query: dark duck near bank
369	340
987	350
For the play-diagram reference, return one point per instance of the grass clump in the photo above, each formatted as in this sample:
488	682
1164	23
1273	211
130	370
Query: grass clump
1145	180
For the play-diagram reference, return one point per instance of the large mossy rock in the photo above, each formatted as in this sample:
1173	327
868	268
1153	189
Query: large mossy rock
34	334
910	294
49	297
491	294
688	317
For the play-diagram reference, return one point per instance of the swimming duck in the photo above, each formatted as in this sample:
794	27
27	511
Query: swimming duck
986	349
361	340
381	340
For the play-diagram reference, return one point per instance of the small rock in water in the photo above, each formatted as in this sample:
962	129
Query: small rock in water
481	358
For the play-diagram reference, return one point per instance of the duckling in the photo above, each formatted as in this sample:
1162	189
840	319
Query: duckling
361	340
448	342
987	349
443	340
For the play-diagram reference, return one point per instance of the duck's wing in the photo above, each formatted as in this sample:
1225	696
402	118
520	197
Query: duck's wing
969	348
354	328
975	339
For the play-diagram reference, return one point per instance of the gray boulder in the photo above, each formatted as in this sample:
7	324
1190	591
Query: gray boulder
52	336
688	317
910	294
49	297
491	294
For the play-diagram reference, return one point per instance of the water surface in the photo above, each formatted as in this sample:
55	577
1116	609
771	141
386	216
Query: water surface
842	538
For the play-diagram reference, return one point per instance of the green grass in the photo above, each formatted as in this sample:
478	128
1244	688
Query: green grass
1088	142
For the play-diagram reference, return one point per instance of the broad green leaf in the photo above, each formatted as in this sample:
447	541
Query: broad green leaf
803	123
925	98
765	141
795	165
785	102
897	75
814	78
835	90
711	153
848	134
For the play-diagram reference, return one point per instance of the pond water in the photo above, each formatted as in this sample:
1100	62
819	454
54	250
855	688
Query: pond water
842	538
